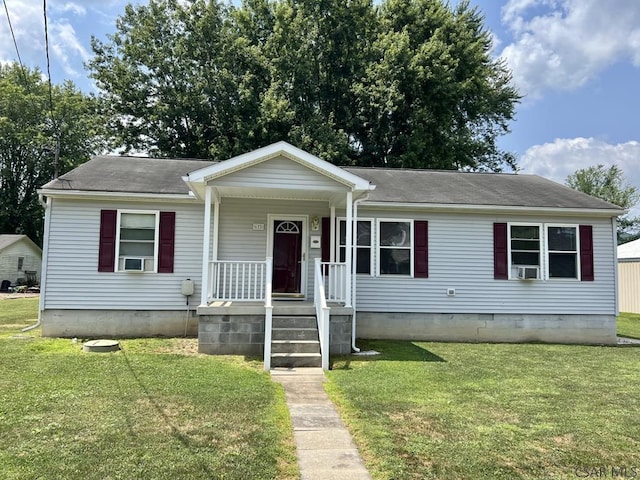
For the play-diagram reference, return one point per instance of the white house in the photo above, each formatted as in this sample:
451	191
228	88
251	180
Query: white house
629	277
291	256
20	258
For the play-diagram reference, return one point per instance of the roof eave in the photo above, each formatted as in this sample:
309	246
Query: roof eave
530	210
179	197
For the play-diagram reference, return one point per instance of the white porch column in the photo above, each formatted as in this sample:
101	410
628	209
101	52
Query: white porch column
206	246
332	235
349	248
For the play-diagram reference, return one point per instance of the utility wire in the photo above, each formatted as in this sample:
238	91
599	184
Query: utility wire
15	44
55	126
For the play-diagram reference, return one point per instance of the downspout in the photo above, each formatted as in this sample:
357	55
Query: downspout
45	257
614	228
353	270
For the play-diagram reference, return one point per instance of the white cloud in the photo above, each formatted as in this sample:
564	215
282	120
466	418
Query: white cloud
71	7
66	50
562	44
67	47
562	157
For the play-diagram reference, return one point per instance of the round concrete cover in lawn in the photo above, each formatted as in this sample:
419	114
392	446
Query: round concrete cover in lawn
100	346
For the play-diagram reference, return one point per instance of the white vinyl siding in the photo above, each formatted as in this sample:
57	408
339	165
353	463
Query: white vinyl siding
73	280
461	258
279	173
10	259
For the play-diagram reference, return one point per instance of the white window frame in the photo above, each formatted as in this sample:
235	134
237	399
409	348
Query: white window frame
548	251
411	248
541	250
545	251
355	241
155	239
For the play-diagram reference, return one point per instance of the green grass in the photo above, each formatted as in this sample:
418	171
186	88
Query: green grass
16	313
629	325
476	411
154	410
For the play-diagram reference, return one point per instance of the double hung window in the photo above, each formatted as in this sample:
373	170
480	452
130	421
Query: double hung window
363	244
395	247
137	241
551	249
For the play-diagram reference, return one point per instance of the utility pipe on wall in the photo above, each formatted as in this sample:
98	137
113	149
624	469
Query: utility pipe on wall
354	258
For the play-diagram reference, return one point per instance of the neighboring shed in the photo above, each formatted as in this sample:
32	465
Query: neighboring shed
629	277
19	258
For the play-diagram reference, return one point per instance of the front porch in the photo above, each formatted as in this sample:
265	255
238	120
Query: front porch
301	212
241	317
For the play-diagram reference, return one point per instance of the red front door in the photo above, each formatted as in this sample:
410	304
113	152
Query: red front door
287	256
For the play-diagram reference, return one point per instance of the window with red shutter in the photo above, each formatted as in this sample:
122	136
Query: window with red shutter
500	252
586	253
107	246
166	242
421	249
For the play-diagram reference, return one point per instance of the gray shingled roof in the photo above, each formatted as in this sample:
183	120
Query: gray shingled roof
8	239
465	188
164	176
129	174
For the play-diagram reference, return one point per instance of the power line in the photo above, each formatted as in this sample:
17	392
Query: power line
15	44
53	121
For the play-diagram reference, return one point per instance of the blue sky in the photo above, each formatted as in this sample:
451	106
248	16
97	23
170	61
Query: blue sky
576	61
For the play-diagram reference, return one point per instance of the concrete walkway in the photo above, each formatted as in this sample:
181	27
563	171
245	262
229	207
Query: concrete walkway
325	448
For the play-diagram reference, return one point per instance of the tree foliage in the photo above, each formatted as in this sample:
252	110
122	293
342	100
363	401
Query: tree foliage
28	132
407	83
609	184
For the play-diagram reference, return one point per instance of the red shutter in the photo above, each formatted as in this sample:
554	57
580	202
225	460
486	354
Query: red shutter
325	240
586	253
500	257
166	242
107	248
420	249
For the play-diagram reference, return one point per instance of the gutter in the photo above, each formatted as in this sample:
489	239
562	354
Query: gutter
493	209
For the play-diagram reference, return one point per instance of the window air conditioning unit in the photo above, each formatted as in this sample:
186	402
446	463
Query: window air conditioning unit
528	273
133	264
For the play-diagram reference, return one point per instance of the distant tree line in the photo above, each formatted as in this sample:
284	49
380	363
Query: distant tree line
402	83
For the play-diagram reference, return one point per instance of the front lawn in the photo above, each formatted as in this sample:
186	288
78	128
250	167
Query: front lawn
629	325
17	313
475	411
144	412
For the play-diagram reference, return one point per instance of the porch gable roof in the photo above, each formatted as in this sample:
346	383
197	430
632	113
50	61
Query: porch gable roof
198	178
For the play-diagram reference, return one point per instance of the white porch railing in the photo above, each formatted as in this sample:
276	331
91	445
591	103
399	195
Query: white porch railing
245	282
238	281
323	313
268	315
335	281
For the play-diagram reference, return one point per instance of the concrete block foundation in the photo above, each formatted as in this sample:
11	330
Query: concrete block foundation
507	328
118	323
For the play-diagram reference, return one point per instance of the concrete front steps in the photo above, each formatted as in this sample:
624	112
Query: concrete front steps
295	341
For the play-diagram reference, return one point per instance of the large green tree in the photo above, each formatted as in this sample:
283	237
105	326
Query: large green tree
611	185
29	132
403	83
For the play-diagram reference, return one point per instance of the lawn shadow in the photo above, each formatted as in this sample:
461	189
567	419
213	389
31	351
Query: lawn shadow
185	440
388	350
